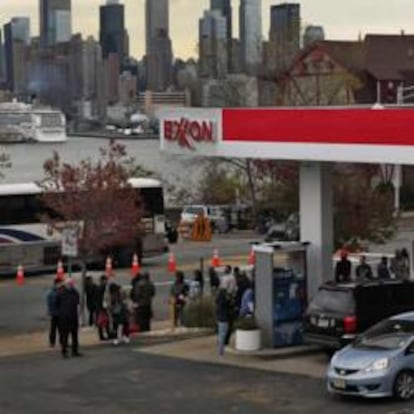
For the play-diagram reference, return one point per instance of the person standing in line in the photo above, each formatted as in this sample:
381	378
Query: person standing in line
247	302
198	277
243	283
407	265
223	313
214	281
102	319
119	314
67	304
382	270
145	292
133	296
179	294
363	270
53	312
229	280
91	293
343	269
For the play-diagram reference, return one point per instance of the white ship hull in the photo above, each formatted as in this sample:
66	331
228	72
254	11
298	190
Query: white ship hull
24	123
50	136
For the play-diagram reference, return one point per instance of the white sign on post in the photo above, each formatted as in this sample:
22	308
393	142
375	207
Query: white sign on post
70	242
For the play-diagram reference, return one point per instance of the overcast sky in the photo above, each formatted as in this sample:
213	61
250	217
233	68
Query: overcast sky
342	19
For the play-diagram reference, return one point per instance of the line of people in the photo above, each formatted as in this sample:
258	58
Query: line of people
398	268
234	299
113	311
109	307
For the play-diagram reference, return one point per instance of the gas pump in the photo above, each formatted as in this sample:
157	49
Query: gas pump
281	291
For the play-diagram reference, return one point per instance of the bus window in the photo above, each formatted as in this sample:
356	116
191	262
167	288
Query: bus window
153	201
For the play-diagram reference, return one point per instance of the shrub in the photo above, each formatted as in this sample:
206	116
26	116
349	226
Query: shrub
200	313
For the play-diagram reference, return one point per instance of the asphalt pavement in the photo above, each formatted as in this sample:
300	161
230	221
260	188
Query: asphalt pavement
121	380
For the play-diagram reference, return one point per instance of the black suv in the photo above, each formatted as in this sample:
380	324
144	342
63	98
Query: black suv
339	312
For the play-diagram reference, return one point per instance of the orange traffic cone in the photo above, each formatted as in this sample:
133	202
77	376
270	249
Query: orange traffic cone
215	261
135	268
20	276
172	264
252	258
60	272
108	267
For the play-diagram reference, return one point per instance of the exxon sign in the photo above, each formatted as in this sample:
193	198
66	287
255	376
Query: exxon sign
187	133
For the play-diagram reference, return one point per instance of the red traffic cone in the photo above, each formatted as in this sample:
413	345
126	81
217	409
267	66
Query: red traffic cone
172	264
135	268
215	261
60	272
252	258
108	267
20	275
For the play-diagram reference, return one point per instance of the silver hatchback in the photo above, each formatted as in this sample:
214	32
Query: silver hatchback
379	363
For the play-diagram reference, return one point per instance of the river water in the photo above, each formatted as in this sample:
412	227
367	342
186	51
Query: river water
28	159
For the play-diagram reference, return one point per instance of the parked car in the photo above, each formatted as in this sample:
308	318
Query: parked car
379	363
339	312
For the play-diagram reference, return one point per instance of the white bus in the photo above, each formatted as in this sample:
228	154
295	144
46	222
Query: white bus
25	240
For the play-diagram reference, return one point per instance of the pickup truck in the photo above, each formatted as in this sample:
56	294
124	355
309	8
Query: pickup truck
218	220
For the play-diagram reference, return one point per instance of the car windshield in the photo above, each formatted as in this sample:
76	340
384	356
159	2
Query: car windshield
333	301
194	210
389	334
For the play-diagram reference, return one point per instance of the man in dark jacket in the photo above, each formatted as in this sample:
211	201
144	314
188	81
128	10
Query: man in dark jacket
224	315
67	302
343	269
363	270
144	293
92	297
53	312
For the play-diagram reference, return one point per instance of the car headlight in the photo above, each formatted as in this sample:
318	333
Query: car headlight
379	365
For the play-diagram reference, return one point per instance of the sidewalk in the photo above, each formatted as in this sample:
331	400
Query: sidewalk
38	342
196	345
303	361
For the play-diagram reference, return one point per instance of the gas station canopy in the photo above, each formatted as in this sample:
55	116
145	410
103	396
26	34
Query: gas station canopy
314	136
333	134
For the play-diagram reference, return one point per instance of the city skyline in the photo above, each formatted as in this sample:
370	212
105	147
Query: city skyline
340	20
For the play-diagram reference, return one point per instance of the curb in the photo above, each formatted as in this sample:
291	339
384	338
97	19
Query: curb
36	343
280	353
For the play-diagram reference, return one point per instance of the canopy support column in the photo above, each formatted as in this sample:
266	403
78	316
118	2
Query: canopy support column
316	221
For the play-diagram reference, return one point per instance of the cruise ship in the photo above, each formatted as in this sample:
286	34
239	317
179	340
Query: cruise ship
20	122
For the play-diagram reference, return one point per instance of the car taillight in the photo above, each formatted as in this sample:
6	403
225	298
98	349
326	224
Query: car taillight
350	324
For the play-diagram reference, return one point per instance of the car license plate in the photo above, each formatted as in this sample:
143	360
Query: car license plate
340	384
323	323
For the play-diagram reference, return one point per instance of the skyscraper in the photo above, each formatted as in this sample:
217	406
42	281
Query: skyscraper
213	54
285	24
158	45
250	22
112	29
157	20
16	40
225	8
55	22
